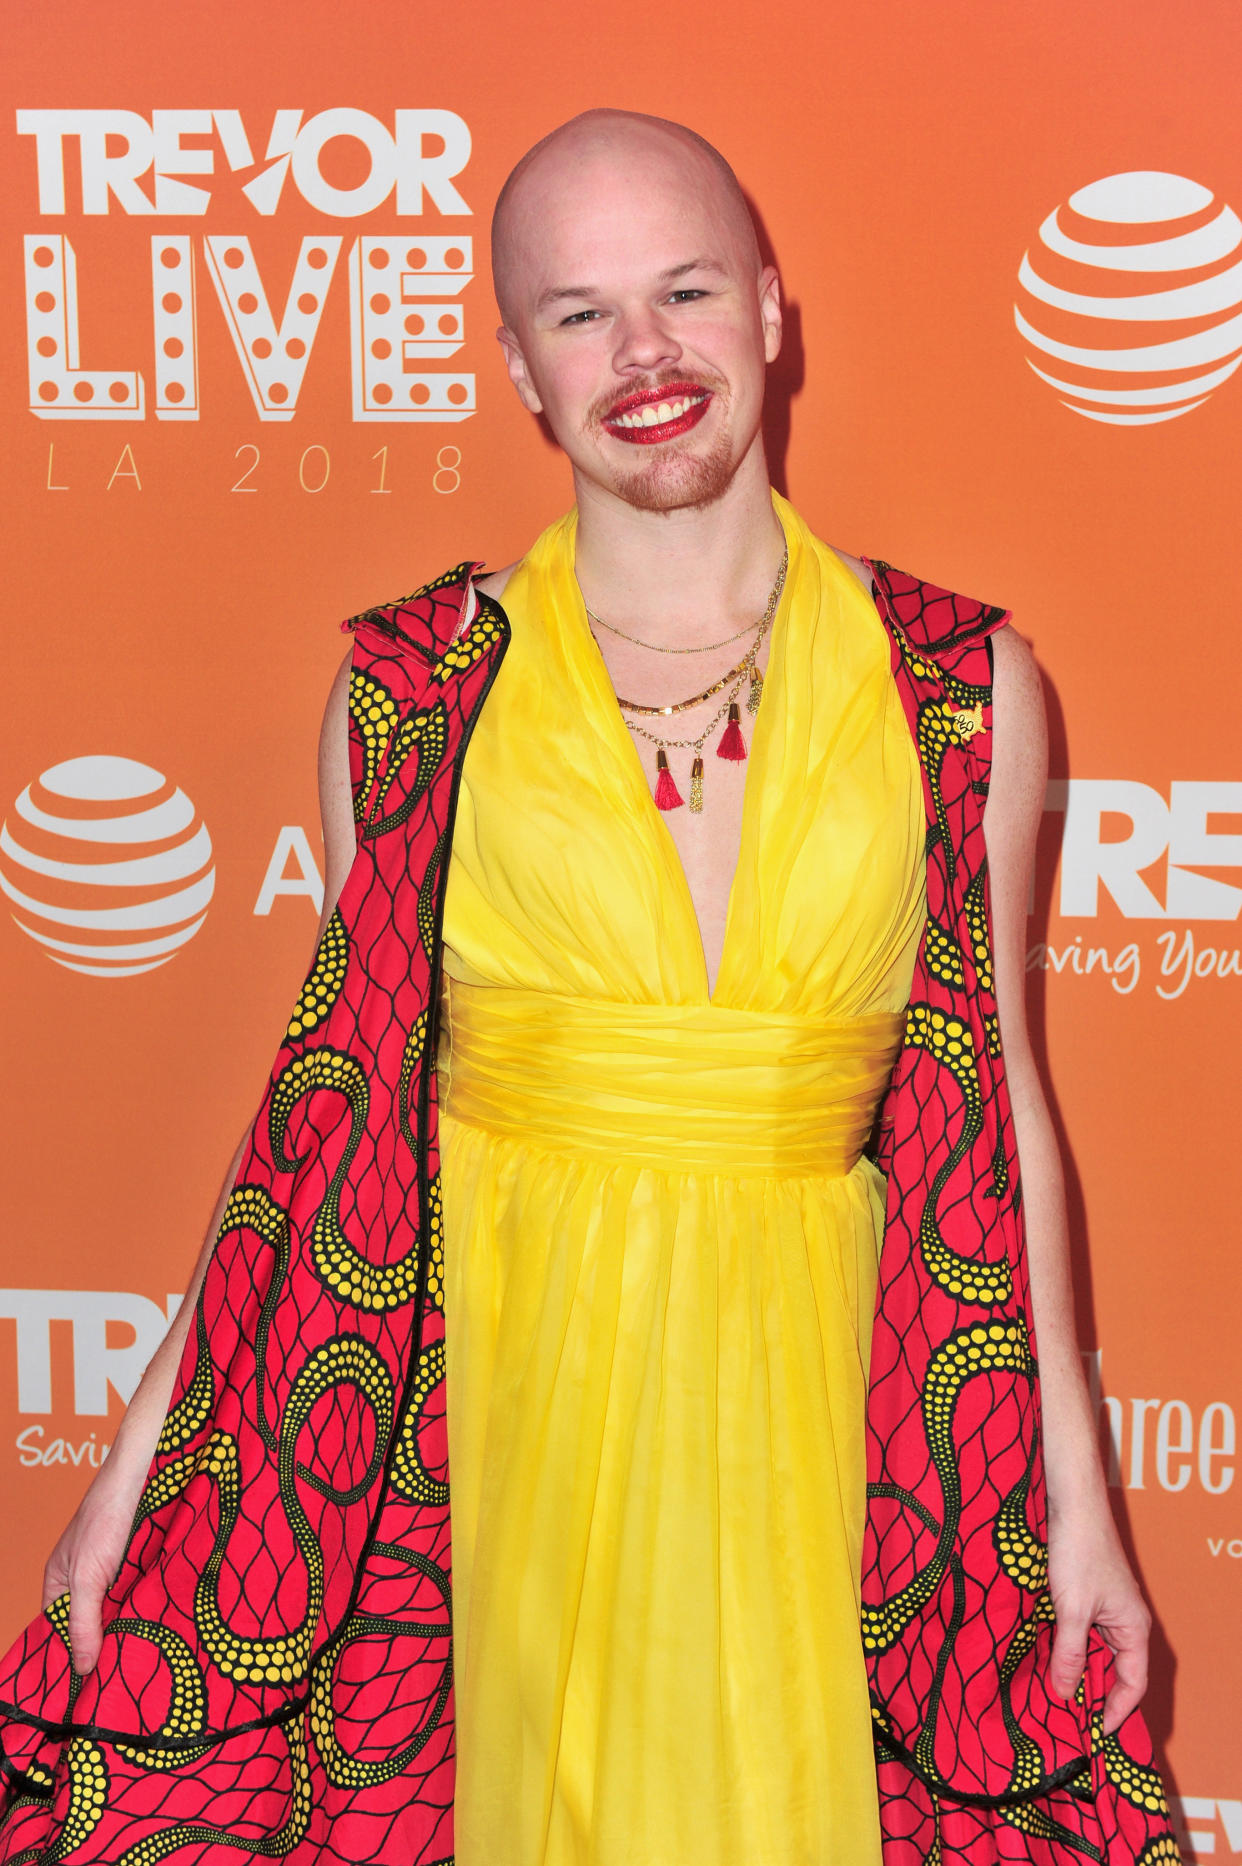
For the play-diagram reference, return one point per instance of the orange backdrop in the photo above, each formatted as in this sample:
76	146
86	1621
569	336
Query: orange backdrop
250	387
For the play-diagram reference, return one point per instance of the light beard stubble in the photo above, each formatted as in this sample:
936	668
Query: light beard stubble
679	482
674	480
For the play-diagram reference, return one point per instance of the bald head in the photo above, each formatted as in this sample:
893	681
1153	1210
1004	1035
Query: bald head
564	173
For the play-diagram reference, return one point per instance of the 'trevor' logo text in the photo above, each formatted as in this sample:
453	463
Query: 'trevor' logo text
404	325
136	163
1184	829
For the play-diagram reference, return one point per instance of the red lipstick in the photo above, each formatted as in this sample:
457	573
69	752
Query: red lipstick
636	417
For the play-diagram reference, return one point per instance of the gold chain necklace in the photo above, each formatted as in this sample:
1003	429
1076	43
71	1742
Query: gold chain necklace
732	744
696	699
655	647
667	795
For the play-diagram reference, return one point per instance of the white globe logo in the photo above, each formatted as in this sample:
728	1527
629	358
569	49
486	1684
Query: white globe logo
107	865
1130	300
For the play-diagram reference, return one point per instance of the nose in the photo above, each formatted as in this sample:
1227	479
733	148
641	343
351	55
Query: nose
645	340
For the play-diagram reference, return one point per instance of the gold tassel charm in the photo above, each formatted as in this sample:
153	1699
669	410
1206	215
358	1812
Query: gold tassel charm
756	690
696	785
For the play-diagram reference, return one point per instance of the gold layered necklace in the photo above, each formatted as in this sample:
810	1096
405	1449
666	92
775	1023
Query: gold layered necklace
732	743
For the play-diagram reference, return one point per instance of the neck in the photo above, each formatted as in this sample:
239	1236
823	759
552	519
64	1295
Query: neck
677	575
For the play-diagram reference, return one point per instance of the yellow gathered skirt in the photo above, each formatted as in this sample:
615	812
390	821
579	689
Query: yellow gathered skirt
660	1249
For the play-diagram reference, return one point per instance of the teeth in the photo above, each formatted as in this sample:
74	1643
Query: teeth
655	415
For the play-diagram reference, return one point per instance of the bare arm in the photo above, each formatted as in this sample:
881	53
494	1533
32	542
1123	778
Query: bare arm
1089	1577
336	803
88	1554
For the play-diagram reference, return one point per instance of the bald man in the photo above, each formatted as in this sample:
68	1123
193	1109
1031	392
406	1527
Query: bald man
669	994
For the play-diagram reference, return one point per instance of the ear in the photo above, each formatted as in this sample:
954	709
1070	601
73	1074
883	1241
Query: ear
770	312
519	375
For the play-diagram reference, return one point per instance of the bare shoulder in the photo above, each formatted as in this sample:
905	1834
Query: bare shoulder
1019	769
1019	724
1016	683
1011	819
336	711
336	806
493	584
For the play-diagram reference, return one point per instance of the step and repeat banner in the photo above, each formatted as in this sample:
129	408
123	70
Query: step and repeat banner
250	386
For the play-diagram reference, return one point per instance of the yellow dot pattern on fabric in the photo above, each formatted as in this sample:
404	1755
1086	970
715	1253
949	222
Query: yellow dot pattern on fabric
1025	1818
409	1476
483	634
88	1791
947	1038
57	1612
1029	1767
427	894
341	1266
323	986
1163	1851
167	1484
1137	1783
989	1347
192	1411
883	1626
1023	1556
159	1846
374	714
423	737
187	1708
977	921
920	668
342	1769
282	1658
944	960
447	581
435	1255
415	1044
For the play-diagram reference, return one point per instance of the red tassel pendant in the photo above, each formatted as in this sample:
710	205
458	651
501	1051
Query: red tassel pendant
667	795
732	744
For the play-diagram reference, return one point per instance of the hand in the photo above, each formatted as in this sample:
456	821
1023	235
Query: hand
89	1553
1091	1585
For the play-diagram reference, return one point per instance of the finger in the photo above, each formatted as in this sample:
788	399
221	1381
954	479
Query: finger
85	1624
55	1580
1069	1654
1129	1683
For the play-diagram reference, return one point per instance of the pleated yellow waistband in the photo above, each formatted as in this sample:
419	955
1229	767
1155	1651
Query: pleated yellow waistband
688	1088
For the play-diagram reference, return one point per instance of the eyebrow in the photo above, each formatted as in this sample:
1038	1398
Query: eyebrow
556	293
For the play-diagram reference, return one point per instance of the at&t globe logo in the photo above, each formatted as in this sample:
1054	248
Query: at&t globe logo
1130	300
107	864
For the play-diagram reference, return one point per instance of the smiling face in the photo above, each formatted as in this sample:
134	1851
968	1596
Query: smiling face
638	318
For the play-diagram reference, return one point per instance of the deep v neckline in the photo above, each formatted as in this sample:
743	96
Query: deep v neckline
604	695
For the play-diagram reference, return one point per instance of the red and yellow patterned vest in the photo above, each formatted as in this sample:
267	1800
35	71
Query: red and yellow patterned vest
276	1674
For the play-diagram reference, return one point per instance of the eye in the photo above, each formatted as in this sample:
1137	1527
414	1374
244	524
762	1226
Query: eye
686	294
578	317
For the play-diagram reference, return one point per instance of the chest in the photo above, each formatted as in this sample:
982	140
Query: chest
796	886
706	827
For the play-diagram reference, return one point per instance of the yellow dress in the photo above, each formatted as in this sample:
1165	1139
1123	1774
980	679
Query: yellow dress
661	1248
